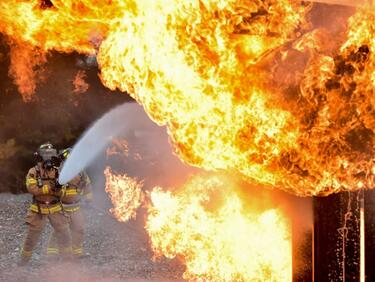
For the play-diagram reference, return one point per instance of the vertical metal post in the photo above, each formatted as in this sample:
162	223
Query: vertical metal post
369	231
337	237
362	236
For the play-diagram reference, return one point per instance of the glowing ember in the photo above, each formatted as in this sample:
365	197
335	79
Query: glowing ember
219	240
125	193
205	69
80	85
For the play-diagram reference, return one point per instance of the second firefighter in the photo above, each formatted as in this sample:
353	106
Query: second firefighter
72	195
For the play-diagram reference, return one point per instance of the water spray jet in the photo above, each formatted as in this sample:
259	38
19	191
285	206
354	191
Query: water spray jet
119	121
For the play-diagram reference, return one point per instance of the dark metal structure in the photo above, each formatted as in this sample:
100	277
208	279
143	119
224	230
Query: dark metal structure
369	207
338	252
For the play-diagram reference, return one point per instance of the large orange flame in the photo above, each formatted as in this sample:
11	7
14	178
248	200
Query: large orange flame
191	64
207	225
197	69
205	69
219	240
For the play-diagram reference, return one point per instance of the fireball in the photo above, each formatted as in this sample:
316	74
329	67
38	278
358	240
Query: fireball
204	69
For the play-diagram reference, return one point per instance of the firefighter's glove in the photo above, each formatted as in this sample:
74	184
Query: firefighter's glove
57	187
45	189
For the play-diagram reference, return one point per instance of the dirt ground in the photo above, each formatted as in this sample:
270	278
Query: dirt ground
114	251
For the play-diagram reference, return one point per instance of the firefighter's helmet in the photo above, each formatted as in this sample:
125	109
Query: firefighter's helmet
65	153
47	151
47	154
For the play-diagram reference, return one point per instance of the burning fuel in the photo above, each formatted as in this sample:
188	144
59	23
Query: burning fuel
249	87
207	225
203	69
219	240
125	193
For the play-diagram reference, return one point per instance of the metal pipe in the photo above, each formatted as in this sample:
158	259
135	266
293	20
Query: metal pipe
362	236
337	237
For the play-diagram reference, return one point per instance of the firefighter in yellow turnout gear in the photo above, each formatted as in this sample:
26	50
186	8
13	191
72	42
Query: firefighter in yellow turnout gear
71	196
41	182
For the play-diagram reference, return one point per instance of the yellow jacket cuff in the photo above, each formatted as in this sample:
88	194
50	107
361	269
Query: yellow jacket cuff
45	189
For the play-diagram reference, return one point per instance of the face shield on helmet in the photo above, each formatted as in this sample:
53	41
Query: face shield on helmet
47	154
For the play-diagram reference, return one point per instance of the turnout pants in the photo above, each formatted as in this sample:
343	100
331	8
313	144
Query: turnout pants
36	222
76	226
